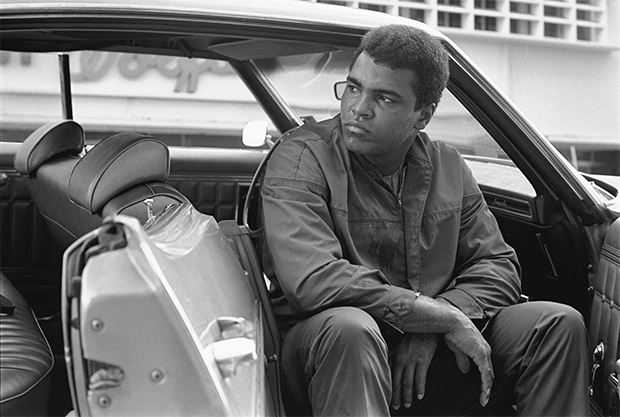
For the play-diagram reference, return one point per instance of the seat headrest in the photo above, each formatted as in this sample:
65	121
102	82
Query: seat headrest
115	164
55	138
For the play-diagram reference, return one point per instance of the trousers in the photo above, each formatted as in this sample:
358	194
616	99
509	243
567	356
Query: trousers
336	363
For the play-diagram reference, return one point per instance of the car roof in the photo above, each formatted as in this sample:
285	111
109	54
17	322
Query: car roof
267	10
235	29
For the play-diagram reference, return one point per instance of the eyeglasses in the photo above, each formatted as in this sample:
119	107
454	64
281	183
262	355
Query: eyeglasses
339	89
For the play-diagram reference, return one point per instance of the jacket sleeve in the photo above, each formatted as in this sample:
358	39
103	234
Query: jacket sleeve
487	272
306	253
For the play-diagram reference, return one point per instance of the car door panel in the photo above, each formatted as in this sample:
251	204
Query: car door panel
605	324
206	354
28	254
554	265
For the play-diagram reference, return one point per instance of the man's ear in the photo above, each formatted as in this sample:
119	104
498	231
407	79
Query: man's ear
426	114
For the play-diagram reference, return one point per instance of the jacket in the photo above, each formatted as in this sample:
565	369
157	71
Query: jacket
337	235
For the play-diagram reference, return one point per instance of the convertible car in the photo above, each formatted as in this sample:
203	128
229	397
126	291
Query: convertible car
134	134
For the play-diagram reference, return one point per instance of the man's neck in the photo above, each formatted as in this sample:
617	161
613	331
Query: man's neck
388	164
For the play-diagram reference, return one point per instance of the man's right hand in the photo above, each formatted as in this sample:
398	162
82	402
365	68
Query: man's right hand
466	341
436	315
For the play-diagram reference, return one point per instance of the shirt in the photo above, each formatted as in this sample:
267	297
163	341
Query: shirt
336	234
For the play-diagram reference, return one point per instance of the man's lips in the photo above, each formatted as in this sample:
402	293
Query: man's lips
356	129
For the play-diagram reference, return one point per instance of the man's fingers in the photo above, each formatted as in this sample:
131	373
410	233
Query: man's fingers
485	393
420	380
482	358
487	376
462	361
407	385
397	374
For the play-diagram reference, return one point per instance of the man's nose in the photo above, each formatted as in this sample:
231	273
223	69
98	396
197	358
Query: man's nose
362	107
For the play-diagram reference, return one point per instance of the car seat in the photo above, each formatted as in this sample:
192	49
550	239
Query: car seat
124	174
46	158
26	359
74	189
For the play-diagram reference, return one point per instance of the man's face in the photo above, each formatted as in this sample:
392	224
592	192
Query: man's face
378	113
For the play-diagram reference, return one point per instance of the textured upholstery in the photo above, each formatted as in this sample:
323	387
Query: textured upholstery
605	323
26	359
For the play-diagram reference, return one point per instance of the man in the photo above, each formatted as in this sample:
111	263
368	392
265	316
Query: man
391	276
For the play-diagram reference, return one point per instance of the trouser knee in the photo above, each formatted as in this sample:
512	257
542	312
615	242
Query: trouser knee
563	320
339	347
353	331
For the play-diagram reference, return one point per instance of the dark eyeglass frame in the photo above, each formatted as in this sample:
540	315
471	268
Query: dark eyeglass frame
339	88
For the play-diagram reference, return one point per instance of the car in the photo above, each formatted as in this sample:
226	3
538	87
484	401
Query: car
134	135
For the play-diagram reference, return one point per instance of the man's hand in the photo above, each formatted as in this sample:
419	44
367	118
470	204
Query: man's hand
439	316
466	341
409	363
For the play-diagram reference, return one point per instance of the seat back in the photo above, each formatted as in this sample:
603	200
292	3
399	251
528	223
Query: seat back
74	190
124	174
46	158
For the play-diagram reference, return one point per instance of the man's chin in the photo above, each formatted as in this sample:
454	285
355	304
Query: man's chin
354	144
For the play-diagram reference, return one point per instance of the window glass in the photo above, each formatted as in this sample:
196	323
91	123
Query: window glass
182	101
30	93
306	82
453	124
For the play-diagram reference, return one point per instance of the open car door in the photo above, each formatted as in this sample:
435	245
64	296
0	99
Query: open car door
162	320
605	326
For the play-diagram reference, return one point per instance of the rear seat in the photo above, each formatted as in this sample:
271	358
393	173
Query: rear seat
120	173
73	192
47	158
26	359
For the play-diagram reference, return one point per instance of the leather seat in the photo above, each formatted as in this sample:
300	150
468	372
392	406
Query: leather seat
119	173
74	190
47	158
26	359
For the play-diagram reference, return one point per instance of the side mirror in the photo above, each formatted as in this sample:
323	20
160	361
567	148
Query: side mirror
255	134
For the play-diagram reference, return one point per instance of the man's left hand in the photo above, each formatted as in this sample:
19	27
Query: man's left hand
409	363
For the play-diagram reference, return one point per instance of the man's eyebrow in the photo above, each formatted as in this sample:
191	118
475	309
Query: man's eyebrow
379	91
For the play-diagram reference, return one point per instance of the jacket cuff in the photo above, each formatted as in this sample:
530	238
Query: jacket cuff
464	302
399	306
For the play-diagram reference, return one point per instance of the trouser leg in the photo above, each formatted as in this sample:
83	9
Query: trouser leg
540	348
448	391
539	355
335	363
